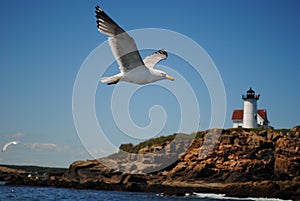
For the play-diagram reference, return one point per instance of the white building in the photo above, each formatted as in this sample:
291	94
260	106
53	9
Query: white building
250	117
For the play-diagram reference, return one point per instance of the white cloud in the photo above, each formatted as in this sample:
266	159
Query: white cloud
97	153
15	135
50	146
41	146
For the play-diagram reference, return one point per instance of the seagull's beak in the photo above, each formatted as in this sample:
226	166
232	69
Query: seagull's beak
169	77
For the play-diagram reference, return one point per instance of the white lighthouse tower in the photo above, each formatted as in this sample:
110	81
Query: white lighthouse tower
250	109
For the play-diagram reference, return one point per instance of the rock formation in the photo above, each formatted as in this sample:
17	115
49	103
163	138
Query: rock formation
6	173
237	162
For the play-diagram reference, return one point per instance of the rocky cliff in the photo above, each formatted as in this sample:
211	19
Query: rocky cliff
6	173
243	155
237	162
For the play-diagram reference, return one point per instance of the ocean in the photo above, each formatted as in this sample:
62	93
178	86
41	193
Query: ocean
48	194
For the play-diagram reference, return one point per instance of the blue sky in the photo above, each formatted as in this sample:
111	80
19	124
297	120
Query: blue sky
44	43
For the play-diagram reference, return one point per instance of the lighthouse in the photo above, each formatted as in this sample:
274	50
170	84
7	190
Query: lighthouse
250	116
250	109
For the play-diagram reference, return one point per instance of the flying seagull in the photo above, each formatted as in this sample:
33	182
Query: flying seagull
8	144
132	67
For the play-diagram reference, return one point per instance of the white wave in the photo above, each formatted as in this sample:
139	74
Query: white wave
223	197
2	183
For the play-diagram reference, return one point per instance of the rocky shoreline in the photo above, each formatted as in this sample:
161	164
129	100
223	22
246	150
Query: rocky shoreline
235	162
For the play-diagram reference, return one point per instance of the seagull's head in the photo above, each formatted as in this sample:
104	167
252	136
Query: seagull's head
163	75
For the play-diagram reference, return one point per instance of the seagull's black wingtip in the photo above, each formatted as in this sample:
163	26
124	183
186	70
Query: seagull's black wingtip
98	8
163	51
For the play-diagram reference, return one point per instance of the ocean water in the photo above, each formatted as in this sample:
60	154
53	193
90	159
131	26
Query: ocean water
49	194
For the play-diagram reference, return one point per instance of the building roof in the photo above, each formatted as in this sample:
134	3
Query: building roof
238	114
262	114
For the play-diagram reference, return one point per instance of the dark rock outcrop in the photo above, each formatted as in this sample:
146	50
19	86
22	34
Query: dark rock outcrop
7	173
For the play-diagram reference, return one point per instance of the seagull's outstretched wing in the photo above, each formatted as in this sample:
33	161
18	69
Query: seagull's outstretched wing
122	45
151	60
8	144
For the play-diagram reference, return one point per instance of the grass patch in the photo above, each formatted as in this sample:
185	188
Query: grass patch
153	141
130	148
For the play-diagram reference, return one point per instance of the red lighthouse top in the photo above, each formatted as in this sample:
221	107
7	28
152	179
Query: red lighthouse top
251	95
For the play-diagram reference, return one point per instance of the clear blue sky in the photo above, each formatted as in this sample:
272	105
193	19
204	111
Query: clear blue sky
44	43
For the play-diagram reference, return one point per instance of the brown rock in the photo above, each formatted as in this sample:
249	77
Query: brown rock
243	162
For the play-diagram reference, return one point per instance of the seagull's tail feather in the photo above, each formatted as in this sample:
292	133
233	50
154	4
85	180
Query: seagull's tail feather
111	80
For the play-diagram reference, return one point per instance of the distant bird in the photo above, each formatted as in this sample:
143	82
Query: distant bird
8	144
133	68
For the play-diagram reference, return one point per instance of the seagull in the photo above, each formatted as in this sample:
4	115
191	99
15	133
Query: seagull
132	67
8	144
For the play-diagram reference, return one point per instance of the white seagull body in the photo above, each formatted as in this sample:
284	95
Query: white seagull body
133	68
8	144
